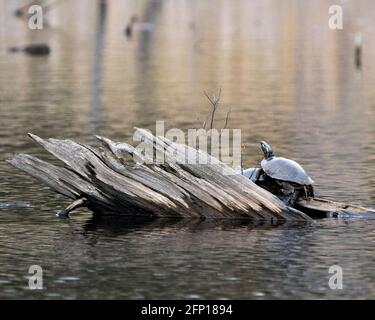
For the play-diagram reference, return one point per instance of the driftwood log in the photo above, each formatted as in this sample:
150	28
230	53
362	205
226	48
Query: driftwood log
111	179
322	208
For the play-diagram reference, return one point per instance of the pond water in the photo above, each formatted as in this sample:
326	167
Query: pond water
287	78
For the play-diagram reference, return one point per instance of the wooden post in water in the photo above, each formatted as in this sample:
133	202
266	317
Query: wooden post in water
358	50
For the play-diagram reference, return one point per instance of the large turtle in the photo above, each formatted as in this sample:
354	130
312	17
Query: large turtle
283	177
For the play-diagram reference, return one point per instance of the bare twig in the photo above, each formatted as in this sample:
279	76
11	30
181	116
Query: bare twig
215	103
210	118
226	120
205	121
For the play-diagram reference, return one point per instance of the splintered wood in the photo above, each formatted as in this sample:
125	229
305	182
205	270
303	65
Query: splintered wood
118	179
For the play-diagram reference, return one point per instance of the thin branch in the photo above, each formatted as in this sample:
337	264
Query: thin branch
226	119
215	103
209	98
205	122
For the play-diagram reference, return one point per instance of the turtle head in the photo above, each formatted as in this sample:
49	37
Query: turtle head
267	150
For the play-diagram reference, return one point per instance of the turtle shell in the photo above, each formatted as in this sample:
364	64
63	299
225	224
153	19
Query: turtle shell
285	169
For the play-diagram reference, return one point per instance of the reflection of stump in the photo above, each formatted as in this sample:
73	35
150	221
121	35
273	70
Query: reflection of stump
19	12
130	25
128	31
358	57
358	50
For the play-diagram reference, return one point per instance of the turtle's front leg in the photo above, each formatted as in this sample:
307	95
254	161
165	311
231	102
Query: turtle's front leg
289	195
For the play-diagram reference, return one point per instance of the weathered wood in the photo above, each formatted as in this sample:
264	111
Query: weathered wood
75	205
320	208
111	183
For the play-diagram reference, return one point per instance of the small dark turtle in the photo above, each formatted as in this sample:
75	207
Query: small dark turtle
284	177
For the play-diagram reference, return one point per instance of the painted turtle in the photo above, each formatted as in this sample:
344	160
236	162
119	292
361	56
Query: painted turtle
283	177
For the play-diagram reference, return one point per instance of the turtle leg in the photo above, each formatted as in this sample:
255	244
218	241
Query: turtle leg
289	194
306	192
309	191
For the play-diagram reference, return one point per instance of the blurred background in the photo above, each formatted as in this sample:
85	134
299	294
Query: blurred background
287	77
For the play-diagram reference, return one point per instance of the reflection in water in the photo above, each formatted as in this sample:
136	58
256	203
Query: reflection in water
123	258
288	79
97	67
